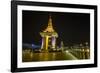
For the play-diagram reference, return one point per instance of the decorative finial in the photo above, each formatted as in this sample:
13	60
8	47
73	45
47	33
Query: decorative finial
50	21
50	15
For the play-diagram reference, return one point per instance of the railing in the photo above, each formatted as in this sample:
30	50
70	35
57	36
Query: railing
82	53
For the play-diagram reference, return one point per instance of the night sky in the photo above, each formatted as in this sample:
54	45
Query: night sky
72	28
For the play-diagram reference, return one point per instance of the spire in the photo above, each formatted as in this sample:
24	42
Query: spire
50	21
50	26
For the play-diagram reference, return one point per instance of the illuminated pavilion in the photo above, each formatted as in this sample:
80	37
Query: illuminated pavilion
48	37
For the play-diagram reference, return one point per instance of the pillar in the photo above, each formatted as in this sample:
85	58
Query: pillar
53	42
46	48
42	43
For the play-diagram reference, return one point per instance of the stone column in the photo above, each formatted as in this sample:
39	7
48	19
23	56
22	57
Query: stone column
42	43
53	42
47	37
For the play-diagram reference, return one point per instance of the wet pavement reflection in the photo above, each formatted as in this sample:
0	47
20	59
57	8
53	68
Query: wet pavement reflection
47	56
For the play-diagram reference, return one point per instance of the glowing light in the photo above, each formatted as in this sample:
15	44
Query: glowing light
67	51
